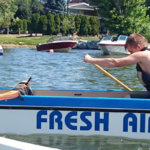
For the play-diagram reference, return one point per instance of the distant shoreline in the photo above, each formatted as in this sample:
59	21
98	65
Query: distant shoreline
18	46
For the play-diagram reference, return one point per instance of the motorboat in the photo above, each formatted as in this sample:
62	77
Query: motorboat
1	50
111	45
57	46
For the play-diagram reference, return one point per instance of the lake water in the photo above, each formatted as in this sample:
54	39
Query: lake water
67	71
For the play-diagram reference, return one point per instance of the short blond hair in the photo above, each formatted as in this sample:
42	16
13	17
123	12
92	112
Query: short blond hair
134	39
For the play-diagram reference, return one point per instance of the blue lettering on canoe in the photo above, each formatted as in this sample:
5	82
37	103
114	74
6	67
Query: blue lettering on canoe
104	121
137	124
142	122
88	125
55	117
130	119
40	119
71	120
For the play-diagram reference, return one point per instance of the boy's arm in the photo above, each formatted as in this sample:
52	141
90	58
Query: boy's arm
114	62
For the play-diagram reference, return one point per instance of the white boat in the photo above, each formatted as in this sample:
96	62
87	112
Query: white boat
1	50
111	46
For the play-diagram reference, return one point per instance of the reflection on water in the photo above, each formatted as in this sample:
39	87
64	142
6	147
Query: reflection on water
65	142
67	71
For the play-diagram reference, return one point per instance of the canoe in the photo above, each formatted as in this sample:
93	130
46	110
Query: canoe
76	112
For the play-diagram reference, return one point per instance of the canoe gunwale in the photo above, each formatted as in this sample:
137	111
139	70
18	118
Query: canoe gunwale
79	101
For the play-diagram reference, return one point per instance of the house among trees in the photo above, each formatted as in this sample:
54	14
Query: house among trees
81	7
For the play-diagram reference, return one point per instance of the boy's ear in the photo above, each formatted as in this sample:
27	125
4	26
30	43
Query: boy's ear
139	46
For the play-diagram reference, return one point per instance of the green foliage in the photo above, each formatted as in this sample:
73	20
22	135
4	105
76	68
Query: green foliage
65	25
57	24
36	6
7	11
123	16
62	27
15	25
19	25
26	20
146	32
71	24
28	7
77	22
24	9
95	25
43	24
55	6
85	27
50	24
34	25
25	26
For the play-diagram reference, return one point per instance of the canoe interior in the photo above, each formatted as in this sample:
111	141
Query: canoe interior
81	93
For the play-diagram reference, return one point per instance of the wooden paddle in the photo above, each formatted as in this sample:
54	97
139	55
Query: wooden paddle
112	77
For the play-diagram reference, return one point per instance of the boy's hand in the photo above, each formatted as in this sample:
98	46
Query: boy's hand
87	58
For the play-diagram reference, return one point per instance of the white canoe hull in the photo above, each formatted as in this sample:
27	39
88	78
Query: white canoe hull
132	125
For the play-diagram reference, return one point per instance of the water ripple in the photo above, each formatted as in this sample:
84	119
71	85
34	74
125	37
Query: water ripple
61	70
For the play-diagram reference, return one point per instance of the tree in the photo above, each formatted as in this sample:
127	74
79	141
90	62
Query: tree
25	26
50	24
147	4
71	24
77	22
37	7
85	27
19	26
67	25
55	6
123	16
7	11
95	25
24	9
43	24
57	24
62	24
15	25
28	7
34	23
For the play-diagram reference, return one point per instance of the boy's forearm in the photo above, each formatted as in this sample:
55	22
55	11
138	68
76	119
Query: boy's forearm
105	62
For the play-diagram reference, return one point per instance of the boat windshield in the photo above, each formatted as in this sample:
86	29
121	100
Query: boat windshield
107	38
122	37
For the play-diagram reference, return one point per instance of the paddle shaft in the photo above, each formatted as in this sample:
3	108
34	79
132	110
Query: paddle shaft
112	77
